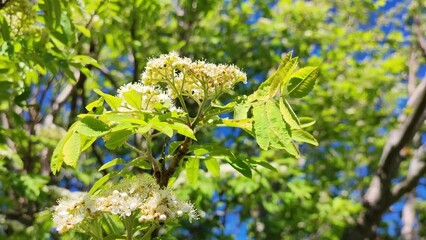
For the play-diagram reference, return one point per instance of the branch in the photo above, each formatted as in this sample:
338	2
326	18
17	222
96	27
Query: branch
420	39
416	170
377	199
181	152
412	70
408	231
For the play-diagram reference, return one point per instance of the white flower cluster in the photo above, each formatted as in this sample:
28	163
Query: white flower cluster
198	80
142	198
72	211
150	96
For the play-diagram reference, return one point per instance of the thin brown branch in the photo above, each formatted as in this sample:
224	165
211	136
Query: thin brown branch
412	70
180	153
408	231
420	38
416	170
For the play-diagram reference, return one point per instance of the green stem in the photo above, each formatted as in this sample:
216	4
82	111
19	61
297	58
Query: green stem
134	148
128	223
150	230
151	159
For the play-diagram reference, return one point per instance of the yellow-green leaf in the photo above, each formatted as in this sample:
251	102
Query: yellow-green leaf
303	136
71	150
191	167
302	82
212	166
288	114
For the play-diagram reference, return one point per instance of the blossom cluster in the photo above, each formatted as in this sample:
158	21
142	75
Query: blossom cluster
142	198
151	97
182	76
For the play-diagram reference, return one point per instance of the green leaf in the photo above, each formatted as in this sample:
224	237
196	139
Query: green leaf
57	12
117	139
306	122
71	150
240	166
57	156
112	225
100	183
174	145
91	107
303	136
270	87
270	128
212	166
240	111
86	142
112	163
288	114
265	165
83	30
133	98
214	151
245	124
112	101
260	126
302	82
92	127
140	162
163	127
183	129
191	167
84	59
4	28
65	26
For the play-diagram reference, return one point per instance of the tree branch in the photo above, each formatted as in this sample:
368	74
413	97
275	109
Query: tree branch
416	170
409	218
377	199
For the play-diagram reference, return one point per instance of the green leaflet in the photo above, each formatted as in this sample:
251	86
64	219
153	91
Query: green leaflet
100	183
302	82
245	124
112	163
57	156
117	139
270	87
260	126
4	29
86	32
71	149
288	114
191	167
174	145
134	99
270	128
217	152
83	59
91	127
240	111
112	101
140	162
67	30
163	127
306	122
183	129
212	166
302	136
86	142
112	225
